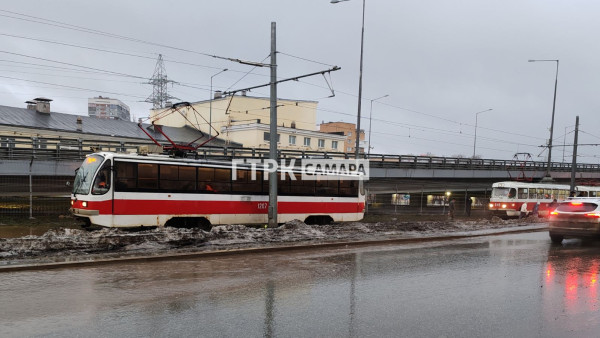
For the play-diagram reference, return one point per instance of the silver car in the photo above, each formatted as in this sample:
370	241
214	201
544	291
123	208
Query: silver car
575	218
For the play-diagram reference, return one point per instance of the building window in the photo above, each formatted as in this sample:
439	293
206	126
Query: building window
349	149
40	143
349	133
307	141
292	139
334	144
321	143
267	137
7	142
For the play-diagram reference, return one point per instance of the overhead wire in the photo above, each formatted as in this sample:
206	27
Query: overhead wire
92	31
31	18
70	87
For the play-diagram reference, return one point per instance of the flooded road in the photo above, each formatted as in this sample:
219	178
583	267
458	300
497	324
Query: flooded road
508	285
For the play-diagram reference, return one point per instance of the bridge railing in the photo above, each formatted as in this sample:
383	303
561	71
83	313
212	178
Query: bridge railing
61	149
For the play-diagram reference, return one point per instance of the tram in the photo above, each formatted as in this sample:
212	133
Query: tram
131	190
508	197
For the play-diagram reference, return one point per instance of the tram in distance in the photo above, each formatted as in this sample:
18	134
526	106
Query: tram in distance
129	190
508	197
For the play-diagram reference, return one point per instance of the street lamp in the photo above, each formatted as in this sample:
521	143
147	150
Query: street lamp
370	117
475	140
548	177
362	40
210	104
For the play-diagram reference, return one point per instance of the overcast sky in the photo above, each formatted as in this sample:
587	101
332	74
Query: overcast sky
439	61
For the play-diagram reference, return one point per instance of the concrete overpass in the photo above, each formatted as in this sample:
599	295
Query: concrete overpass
408	174
412	172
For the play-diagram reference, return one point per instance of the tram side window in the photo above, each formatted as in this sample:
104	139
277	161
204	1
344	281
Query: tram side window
349	188
563	194
102	181
512	193
188	176
302	187
214	180
284	185
222	180
533	193
244	183
206	176
540	193
327	187
177	178
147	176
126	173
523	193
547	193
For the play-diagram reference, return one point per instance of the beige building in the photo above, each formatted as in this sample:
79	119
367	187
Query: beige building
246	120
349	132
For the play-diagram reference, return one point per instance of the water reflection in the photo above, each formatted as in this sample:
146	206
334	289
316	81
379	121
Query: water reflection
517	285
571	284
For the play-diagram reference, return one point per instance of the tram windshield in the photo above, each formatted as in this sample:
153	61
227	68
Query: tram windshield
85	174
504	192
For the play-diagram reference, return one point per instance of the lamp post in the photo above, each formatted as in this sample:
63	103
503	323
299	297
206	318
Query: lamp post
362	40
370	118
548	177
475	139
210	104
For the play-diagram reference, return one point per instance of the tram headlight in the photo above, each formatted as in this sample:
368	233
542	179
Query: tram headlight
84	204
491	205
503	206
72	202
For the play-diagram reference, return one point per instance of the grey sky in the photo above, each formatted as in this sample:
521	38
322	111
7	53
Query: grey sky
439	61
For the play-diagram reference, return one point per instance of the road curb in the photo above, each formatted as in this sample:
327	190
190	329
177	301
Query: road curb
238	251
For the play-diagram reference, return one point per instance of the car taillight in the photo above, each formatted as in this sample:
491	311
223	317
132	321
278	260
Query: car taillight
593	214
577	203
553	213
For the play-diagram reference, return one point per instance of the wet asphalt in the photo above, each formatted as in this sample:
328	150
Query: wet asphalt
517	285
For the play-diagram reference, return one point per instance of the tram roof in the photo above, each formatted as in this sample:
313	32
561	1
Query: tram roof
515	184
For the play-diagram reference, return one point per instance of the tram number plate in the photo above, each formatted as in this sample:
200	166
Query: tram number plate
263	205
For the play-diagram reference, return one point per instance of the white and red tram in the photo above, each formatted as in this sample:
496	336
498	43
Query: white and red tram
128	190
508	197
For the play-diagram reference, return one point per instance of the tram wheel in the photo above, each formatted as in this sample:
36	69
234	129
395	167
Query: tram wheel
318	220
189	223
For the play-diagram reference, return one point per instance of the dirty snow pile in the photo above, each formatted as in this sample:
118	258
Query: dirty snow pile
70	242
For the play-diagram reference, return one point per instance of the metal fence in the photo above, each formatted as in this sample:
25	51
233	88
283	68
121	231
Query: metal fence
27	195
31	196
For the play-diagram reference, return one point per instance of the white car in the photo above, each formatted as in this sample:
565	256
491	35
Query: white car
576	218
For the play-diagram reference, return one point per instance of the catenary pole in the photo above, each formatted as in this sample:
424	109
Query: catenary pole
574	162
273	130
